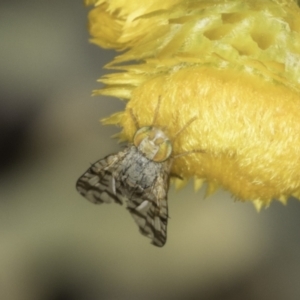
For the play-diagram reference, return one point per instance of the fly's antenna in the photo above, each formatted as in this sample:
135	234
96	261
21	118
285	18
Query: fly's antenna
179	132
183	128
188	152
135	121
156	111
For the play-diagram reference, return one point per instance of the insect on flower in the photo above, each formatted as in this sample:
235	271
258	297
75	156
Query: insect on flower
138	175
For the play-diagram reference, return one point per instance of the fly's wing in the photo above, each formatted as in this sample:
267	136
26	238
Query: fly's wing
103	183
150	209
98	184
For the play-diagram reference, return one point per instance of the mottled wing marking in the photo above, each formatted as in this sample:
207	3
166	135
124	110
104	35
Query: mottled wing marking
152	215
97	184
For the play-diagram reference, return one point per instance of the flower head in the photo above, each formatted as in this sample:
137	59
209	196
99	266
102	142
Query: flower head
233	66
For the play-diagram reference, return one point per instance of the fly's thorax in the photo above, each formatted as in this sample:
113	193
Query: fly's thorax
153	143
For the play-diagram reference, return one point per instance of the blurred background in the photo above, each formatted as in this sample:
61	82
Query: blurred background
55	245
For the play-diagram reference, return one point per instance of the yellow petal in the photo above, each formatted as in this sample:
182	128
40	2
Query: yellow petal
283	199
258	204
180	183
198	183
212	187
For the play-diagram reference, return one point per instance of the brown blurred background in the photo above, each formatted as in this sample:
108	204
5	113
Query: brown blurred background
55	245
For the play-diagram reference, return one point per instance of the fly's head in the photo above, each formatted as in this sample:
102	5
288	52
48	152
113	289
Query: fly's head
153	143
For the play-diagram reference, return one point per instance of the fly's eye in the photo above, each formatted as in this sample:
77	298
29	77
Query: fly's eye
141	134
164	151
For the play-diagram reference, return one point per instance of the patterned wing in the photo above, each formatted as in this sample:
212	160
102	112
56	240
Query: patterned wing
143	184
149	209
98	184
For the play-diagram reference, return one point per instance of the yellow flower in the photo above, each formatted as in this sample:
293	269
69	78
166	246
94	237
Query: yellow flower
234	65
